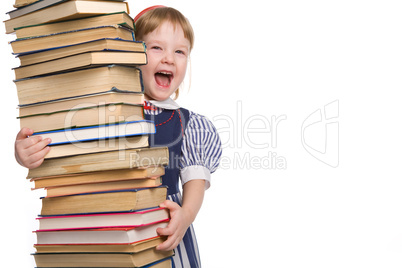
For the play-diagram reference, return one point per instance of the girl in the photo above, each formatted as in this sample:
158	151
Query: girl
193	142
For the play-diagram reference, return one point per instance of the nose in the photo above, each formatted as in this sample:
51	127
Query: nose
168	57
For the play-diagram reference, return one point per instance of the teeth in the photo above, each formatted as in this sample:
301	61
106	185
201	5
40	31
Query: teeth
166	73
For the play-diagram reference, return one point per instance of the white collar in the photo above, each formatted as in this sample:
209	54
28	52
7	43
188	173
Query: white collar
166	104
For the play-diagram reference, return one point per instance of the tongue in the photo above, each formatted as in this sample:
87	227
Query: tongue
162	79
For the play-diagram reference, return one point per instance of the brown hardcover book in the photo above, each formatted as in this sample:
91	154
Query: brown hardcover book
102	187
103	259
93	45
120	18
73	9
133	247
79	83
53	41
81	61
22	3
83	116
99	177
92	100
103	220
114	201
124	159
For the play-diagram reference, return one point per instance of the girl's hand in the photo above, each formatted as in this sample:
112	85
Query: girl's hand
178	225
30	151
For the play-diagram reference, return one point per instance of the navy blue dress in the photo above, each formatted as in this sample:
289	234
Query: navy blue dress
170	128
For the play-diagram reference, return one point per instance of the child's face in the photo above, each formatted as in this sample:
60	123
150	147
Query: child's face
167	52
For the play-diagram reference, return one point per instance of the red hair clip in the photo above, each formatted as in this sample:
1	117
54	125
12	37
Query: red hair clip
145	11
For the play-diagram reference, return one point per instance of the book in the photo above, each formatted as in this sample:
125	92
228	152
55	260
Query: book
119	18
38	43
72	9
99	132
112	160
91	100
132	247
32	7
99	176
91	221
21	3
104	202
115	235
151	257
97	146
81	61
81	115
102	187
79	83
104	44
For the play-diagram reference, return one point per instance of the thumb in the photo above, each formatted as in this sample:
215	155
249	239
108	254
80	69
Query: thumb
170	205
24	133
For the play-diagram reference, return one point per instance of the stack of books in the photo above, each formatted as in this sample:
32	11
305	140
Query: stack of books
78	84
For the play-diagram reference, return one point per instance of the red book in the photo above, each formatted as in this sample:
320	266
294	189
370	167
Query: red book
99	236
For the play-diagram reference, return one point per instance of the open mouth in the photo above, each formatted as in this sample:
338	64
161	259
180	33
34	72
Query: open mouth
163	79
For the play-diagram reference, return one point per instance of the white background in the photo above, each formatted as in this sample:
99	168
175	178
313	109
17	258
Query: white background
252	62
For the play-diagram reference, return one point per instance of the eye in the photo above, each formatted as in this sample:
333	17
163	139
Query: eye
156	48
181	52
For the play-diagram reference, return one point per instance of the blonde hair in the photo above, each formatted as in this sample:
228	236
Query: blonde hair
152	19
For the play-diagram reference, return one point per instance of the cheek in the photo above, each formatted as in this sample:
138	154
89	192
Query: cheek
146	72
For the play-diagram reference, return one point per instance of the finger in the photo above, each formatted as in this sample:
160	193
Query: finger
37	147
23	144
38	158
24	133
167	231
36	164
169	244
169	205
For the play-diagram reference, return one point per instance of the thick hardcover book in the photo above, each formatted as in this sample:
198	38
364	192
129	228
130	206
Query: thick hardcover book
90	221
99	177
91	100
113	160
81	116
81	61
103	186
118	18
146	259
67	10
103	44
115	235
38	43
79	84
104	202
132	247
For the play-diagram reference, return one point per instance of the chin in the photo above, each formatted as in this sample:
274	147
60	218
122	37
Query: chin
157	97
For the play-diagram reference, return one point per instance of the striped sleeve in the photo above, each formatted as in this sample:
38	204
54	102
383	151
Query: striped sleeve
201	150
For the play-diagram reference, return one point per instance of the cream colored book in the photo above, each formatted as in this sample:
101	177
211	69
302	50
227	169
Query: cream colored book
81	61
79	83
72	9
125	159
120	18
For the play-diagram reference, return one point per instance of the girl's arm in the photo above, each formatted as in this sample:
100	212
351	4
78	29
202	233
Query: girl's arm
182	217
